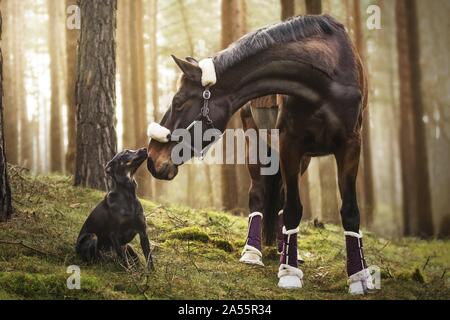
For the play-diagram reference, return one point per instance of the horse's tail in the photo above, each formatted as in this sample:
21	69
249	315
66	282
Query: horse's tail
273	203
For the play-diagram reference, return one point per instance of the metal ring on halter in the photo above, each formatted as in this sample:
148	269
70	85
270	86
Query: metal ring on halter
206	94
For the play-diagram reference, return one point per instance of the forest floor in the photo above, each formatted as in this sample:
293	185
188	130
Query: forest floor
196	255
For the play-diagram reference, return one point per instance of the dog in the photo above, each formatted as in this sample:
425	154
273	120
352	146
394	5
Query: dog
119	217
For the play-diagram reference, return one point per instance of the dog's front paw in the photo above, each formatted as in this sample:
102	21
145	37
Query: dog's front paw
150	264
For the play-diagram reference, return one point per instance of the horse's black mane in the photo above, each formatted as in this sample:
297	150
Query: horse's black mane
294	29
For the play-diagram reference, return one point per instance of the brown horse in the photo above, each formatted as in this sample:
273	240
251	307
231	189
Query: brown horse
312	61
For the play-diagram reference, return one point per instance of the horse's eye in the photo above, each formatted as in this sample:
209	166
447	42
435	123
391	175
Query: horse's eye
181	106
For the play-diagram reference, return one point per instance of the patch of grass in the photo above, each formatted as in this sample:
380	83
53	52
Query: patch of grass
196	254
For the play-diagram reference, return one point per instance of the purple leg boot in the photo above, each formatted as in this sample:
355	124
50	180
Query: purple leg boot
359	278
252	250
280	235
290	276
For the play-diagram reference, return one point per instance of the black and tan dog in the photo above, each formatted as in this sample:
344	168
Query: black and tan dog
119	217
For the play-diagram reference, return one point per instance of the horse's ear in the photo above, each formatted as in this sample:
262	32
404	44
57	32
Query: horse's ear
191	70
192	60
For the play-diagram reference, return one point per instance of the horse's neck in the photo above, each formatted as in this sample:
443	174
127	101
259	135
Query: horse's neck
268	75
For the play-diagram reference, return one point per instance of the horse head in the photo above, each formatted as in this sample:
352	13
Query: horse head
187	108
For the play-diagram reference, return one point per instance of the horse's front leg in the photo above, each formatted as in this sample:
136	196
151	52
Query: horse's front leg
347	158
252	253
290	276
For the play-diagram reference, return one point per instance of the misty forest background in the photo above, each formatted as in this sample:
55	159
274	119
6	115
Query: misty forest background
59	117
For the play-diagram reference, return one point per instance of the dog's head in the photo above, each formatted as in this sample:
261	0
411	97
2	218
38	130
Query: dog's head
125	164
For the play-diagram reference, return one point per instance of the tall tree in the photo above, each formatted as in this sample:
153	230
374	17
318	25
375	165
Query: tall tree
25	150
5	191
287	9
11	121
71	54
56	132
313	6
138	87
233	22
417	210
123	56
154	57
367	172
157	186
96	93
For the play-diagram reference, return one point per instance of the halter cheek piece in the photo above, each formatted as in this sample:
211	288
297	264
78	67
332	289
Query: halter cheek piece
163	135
203	116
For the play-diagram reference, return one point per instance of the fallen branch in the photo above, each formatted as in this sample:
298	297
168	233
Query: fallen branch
22	244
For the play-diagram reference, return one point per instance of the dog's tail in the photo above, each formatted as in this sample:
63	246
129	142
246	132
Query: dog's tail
273	203
86	247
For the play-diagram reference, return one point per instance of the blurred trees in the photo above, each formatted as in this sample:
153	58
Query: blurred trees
233	21
417	211
5	192
96	93
11	15
56	143
71	56
148	31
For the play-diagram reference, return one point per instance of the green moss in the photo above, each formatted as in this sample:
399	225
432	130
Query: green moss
189	234
223	244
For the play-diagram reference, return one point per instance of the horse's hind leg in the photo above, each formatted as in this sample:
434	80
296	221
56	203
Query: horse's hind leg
347	158
86	247
290	277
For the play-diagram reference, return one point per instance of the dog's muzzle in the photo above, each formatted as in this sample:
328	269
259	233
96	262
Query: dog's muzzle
158	132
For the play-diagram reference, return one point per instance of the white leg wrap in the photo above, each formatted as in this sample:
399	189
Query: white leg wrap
353	234
251	255
254	214
360	283
290	277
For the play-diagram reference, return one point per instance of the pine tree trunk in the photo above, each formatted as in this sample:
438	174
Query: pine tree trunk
19	89
5	191
417	212
71	52
154	57
96	93
11	120
367	172
153	13
138	89
287	9
123	60
56	142
313	6
233	27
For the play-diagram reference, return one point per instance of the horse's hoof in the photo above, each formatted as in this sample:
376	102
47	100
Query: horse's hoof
251	255
290	277
360	283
